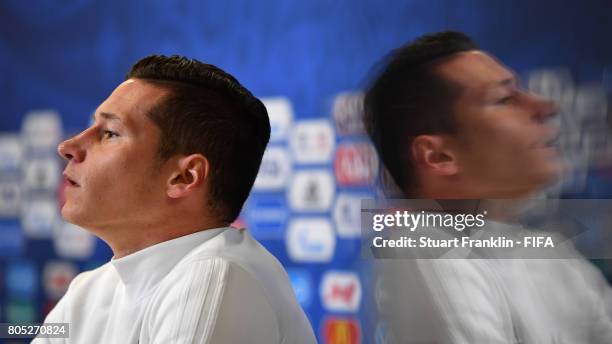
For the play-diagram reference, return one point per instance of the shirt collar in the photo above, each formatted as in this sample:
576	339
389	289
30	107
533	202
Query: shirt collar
143	269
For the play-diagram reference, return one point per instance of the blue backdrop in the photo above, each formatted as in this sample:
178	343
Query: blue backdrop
68	57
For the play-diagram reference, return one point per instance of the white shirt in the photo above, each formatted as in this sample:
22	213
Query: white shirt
214	286
495	301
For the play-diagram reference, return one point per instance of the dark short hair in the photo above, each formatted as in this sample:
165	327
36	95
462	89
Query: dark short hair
408	98
208	111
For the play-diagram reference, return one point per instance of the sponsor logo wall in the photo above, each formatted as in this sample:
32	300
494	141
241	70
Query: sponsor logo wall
307	197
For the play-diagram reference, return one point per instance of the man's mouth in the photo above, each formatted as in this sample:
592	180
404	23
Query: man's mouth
551	141
70	181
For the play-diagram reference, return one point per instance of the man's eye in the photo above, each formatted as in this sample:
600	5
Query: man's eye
109	134
505	100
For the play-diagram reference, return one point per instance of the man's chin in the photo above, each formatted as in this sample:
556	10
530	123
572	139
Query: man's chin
72	216
549	176
557	170
555	165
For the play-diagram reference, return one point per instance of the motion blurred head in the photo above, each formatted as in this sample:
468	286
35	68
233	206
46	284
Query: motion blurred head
450	121
176	147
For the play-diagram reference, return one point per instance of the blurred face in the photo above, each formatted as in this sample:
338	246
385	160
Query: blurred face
505	146
112	173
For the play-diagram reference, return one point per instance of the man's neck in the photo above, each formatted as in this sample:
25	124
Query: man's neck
126	241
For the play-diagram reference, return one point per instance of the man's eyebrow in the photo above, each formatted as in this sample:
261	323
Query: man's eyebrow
512	81
107	115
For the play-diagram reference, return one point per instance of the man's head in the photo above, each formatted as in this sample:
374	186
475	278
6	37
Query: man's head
177	135
450	121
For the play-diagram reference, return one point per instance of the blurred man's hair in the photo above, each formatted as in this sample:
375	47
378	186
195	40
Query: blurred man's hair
208	111
408	98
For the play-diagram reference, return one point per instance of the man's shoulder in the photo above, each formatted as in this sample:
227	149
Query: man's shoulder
230	291
234	251
231	256
207	282
237	247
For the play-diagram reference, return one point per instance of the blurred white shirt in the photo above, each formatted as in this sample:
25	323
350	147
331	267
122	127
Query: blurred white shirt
214	286
495	301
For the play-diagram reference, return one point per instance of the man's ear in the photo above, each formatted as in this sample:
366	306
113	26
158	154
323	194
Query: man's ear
433	154
190	173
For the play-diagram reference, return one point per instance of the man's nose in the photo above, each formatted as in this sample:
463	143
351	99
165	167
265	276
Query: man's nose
544	109
71	150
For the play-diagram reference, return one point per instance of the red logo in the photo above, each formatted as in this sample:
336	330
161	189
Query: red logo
344	293
341	331
355	164
57	277
341	291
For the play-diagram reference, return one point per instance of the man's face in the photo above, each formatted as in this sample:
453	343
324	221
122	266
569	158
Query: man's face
113	175
504	141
